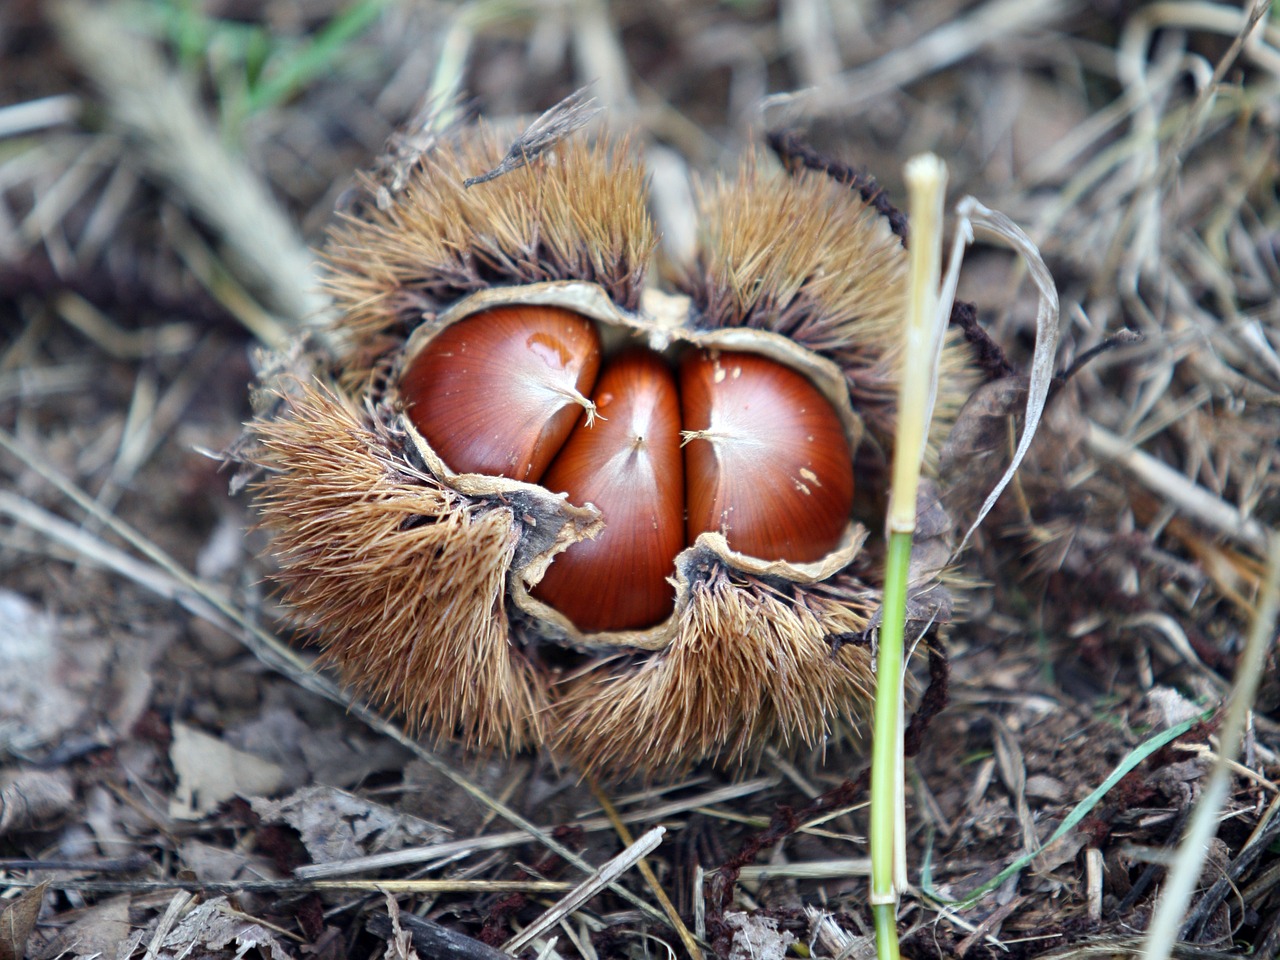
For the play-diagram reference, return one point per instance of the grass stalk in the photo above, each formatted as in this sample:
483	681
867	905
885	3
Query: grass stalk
926	188
1171	909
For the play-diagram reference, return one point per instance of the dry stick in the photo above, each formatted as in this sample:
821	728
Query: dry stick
1264	834
947	44
304	886
33	115
588	888
646	871
181	586
1188	496
432	940
809	870
1172	906
167	920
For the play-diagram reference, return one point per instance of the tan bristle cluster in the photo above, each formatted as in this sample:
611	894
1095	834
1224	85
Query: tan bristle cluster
420	582
380	561
749	666
577	214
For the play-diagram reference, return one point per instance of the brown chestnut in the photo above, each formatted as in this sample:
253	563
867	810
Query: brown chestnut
499	392
767	462
628	464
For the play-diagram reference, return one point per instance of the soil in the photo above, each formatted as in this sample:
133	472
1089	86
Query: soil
177	778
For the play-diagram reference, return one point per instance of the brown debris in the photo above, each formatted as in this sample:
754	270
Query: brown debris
1137	145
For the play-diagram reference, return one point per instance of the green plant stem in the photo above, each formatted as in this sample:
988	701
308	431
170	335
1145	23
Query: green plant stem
886	770
926	179
885	916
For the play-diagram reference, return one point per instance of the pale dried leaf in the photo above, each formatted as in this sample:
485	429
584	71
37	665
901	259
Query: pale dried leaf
209	772
1167	707
214	864
98	931
400	943
209	929
308	753
976	450
827	934
933	542
46	674
335	825
757	938
33	799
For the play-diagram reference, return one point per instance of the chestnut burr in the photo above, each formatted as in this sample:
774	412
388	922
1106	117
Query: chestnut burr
450	516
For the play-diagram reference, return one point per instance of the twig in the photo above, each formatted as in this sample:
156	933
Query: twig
1186	495
949	43
695	952
587	889
33	115
479	887
433	940
1167	923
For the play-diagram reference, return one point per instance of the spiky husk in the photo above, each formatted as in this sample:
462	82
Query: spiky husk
401	579
408	583
750	665
579	213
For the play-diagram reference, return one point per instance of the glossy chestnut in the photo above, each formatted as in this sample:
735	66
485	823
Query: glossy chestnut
499	392
767	461
628	464
736	443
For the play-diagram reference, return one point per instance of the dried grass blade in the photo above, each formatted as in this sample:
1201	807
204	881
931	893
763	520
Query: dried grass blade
587	889
695	952
1171	910
973	214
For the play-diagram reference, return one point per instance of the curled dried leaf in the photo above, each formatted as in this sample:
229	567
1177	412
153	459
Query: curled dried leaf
973	214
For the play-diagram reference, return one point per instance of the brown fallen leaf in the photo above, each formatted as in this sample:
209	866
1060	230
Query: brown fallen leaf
100	929
16	922
33	799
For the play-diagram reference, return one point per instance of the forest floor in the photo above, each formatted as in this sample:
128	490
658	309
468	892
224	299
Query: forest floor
185	788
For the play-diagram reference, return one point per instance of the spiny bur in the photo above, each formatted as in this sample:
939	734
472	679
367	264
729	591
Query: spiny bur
479	483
